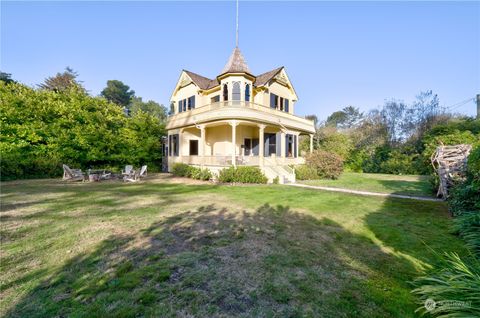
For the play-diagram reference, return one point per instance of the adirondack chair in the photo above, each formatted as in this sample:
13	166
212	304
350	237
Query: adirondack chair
72	174
128	170
135	176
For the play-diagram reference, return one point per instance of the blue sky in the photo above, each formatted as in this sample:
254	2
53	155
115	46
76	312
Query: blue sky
336	53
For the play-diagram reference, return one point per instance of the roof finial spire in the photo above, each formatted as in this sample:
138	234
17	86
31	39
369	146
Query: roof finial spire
236	34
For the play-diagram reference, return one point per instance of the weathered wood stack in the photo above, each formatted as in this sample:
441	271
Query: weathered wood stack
450	162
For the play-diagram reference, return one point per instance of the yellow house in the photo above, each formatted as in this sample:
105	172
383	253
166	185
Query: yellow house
237	119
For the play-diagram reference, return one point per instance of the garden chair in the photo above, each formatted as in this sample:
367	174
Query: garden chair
128	170
72	174
134	176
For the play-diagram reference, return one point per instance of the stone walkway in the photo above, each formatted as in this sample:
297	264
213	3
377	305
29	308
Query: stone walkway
378	194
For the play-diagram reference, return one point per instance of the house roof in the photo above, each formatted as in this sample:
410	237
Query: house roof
201	81
263	79
236	63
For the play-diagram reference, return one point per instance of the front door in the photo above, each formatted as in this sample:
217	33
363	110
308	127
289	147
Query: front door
270	144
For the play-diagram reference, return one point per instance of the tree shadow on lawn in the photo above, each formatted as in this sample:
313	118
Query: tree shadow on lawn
409	187
216	261
418	229
112	197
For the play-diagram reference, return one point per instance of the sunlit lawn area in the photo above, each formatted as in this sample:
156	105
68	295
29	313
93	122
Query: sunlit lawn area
163	248
378	182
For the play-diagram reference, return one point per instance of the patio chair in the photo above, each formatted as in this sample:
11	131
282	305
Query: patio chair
72	174
134	176
128	170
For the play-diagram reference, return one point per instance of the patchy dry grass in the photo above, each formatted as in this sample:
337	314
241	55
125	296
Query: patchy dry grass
164	248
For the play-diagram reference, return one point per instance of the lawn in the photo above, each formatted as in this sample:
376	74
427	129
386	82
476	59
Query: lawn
378	182
164	248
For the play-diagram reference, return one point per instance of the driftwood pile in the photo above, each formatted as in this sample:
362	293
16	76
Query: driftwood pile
450	162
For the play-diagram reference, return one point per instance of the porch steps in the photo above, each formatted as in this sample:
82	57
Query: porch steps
285	174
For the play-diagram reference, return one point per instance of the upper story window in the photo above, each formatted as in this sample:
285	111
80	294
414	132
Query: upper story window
215	99
225	92
247	93
236	91
279	103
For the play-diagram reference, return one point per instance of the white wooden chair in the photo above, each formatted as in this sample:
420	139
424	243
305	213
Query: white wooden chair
134	176
72	174
128	170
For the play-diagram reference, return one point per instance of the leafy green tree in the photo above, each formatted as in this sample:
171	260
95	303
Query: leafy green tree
62	81
117	92
41	129
150	107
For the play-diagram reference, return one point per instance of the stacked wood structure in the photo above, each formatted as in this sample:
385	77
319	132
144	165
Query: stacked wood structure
450	162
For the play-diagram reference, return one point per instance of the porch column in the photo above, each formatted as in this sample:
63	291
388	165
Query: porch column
311	143
234	124
202	144
261	144
283	145
180	145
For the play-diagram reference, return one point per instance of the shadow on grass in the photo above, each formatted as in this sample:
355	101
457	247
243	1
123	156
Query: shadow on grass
420	187
418	229
213	261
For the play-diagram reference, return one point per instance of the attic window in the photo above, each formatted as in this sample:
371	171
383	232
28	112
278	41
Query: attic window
247	93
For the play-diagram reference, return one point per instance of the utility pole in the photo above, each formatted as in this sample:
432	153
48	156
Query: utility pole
478	106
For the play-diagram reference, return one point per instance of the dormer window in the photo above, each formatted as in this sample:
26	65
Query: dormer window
236	91
247	93
225	92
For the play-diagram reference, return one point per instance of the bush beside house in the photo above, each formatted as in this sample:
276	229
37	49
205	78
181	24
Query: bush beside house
184	170
327	164
242	174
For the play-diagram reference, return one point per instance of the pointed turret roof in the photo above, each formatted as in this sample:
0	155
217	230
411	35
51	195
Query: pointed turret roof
236	63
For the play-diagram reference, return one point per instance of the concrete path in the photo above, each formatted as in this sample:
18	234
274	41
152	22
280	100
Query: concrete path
378	194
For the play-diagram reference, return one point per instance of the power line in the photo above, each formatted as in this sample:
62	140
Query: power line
459	104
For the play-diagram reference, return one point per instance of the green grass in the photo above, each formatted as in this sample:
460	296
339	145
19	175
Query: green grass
160	248
377	182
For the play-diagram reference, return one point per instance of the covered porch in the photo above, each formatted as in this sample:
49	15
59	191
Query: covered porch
235	142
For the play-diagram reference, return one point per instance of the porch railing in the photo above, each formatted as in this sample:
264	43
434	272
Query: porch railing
226	161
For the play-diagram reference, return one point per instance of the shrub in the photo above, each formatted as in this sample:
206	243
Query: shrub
356	160
181	170
329	139
276	180
243	174
467	225
398	163
200	174
328	165
304	172
452	281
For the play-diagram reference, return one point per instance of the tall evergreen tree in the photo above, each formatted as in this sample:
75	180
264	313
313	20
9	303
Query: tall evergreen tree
118	93
62	81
